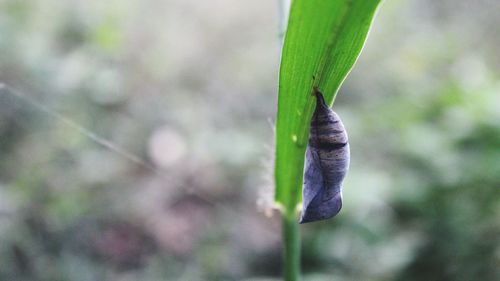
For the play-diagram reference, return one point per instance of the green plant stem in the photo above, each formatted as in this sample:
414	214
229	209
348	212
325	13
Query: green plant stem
291	247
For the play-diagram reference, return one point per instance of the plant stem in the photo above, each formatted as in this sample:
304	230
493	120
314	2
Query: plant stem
291	247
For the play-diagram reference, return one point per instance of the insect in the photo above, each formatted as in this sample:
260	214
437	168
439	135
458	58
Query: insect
327	162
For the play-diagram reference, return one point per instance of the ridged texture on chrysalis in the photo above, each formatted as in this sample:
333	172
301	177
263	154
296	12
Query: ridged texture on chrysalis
327	162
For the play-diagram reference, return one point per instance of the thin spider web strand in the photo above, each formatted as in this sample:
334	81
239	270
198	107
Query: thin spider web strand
86	132
91	135
94	137
106	143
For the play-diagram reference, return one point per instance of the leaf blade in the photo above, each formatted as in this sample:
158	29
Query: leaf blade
323	41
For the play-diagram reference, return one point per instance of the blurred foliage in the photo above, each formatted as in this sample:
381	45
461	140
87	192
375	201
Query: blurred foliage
188	86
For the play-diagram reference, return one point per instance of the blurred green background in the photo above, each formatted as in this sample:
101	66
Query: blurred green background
190	88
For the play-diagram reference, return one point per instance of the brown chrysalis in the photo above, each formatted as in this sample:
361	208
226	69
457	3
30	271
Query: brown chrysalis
327	162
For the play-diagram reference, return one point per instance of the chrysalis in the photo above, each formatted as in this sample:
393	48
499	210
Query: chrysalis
327	162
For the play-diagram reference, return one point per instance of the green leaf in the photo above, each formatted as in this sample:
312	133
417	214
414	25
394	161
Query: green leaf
323	40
